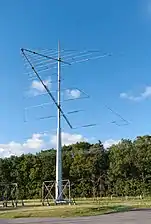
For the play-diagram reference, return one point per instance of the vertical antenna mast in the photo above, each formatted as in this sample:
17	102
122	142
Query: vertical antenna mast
59	152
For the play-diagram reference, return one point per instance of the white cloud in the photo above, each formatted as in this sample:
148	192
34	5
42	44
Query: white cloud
44	141
73	93
142	96
12	148
37	88
108	143
68	139
37	143
38	85
33	144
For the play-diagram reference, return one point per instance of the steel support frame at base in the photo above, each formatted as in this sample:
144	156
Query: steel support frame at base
9	193
48	192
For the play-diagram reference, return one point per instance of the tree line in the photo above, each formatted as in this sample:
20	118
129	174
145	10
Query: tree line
121	170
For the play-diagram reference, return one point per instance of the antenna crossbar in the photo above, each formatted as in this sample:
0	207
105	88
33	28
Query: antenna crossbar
46	56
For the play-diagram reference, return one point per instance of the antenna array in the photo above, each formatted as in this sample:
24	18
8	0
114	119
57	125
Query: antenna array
43	61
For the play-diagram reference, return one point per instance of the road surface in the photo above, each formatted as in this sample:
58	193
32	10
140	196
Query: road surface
132	217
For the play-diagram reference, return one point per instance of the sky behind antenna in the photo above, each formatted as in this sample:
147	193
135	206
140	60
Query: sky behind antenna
121	81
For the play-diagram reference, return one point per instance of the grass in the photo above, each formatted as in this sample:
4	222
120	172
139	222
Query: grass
60	211
84	207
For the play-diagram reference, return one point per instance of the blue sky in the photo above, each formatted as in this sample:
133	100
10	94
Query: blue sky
122	81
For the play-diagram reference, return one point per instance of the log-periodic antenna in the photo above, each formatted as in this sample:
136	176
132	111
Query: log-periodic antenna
43	61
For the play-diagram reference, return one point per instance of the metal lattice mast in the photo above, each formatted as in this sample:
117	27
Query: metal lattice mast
59	148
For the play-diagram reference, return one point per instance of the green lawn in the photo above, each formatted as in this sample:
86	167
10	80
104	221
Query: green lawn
84	207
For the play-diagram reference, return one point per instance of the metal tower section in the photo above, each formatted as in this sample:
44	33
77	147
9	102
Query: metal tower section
59	148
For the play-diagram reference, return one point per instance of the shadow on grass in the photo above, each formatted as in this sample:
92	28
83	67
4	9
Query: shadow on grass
10	208
64	212
140	209
112	209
